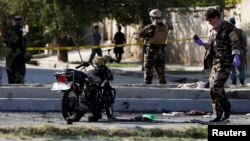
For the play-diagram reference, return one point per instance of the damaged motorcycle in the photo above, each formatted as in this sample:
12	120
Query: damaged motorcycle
86	91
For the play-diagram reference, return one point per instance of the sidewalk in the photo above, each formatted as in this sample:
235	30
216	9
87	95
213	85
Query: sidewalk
130	90
73	56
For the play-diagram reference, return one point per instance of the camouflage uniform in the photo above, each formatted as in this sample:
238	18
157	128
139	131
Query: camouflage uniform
223	43
15	62
156	36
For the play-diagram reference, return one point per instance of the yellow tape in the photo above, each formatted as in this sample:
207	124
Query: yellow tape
73	48
101	46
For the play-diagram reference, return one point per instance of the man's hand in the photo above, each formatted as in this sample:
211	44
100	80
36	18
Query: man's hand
236	61
198	41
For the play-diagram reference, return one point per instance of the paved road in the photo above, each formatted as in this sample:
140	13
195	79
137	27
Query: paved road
125	120
45	76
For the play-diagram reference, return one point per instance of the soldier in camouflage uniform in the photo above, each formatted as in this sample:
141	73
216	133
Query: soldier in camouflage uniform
224	47
16	49
156	35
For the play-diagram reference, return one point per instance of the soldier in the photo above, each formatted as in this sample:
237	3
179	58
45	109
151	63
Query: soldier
224	47
16	49
243	51
155	35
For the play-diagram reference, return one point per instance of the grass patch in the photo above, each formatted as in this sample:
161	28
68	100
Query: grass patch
115	65
124	65
80	132
182	71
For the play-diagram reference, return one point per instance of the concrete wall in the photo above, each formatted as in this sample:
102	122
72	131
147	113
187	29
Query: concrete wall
241	13
180	46
245	24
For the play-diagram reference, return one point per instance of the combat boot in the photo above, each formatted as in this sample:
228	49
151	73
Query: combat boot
242	82
227	112
234	82
162	79
218	117
148	80
218	112
163	82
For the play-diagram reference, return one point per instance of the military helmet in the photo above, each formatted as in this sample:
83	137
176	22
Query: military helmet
155	13
18	18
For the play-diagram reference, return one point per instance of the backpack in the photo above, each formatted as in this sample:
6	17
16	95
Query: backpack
242	37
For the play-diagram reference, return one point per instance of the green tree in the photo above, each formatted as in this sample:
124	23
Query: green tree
68	17
58	18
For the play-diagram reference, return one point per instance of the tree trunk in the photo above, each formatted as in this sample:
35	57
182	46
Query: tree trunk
63	41
62	55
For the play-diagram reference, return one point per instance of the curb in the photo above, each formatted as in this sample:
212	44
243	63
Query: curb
123	105
133	98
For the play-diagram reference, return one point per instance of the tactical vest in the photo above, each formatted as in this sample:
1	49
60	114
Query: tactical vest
160	35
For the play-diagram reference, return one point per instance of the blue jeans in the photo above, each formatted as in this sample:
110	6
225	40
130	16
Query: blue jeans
94	51
241	73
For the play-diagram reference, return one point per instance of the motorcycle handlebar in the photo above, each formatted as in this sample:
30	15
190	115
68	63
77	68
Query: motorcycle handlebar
85	64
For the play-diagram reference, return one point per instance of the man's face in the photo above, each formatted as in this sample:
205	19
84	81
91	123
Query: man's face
212	21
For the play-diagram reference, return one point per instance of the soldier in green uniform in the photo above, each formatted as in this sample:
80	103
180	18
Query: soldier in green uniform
156	35
16	49
224	47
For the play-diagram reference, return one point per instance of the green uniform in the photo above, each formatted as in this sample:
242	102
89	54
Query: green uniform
156	36
15	62
224	43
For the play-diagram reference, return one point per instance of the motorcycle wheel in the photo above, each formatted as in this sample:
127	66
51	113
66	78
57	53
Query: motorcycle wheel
68	102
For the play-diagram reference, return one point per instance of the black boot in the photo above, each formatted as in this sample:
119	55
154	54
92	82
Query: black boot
242	82
148	80
226	115
162	82
216	119
218	112
227	112
234	82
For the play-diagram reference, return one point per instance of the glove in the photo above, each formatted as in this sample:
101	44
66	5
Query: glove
198	41
236	61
